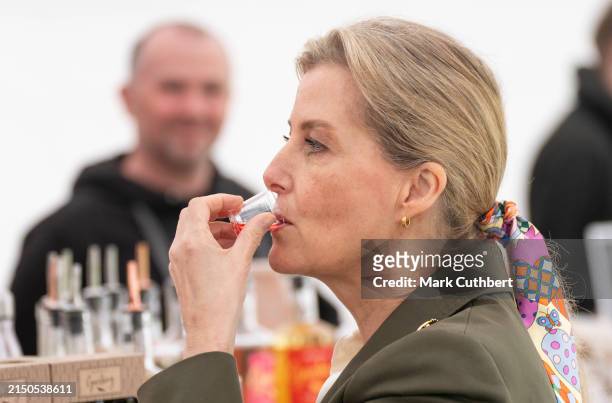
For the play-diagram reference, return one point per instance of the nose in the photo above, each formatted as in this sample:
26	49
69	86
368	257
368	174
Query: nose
194	104
277	177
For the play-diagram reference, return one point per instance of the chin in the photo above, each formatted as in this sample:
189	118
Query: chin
189	148
185	158
283	262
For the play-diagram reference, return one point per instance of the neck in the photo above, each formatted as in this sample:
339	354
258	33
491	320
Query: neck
145	169
368	313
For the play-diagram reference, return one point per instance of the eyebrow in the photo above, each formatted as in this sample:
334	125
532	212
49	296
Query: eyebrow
313	124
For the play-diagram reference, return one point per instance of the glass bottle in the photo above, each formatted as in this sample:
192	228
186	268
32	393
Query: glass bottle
136	324
50	333
9	346
115	290
98	302
75	318
149	290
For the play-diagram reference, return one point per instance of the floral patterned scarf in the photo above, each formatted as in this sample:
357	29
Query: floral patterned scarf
539	296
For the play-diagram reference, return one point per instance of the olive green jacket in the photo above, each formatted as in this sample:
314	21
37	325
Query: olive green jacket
477	351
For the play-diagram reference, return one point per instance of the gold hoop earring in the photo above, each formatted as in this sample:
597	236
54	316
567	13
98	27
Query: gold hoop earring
405	221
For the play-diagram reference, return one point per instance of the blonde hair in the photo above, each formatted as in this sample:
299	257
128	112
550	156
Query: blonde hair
427	98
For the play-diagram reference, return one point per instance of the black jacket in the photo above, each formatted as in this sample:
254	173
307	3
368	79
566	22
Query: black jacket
571	184
101	211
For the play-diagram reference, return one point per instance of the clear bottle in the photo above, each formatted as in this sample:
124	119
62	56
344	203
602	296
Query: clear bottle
116	291
172	311
249	332
149	290
50	334
169	349
76	325
136	334
137	337
98	301
9	346
76	318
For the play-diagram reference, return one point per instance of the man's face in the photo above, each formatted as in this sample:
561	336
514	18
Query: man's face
178	97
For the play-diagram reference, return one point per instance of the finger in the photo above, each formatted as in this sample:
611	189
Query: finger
180	234
181	222
251	235
208	208
171	271
173	276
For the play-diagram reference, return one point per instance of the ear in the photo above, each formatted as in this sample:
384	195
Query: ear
126	96
421	189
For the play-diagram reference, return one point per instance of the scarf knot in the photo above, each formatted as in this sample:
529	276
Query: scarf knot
503	223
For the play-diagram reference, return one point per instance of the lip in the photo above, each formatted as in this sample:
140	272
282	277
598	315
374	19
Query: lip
281	223
282	220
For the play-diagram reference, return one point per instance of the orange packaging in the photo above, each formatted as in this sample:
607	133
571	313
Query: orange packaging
301	372
308	369
260	383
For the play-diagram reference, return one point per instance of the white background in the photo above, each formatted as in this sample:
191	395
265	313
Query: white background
62	62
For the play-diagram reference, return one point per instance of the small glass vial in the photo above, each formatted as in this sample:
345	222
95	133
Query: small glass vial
264	202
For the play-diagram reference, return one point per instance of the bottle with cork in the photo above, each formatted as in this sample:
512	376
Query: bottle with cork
136	329
149	290
49	332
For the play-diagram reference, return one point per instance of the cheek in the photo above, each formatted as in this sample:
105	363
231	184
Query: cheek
341	209
217	107
324	201
159	105
166	107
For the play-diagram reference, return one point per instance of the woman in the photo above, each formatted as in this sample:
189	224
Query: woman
397	132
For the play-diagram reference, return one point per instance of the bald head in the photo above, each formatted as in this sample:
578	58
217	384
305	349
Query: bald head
178	93
169	34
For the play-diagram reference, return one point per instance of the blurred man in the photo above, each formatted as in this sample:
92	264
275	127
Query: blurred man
572	178
177	95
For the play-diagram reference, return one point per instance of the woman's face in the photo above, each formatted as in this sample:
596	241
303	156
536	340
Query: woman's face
334	186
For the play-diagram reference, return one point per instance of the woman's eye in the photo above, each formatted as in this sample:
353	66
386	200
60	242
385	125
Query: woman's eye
314	145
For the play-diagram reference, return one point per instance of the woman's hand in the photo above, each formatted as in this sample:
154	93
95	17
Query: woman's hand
209	266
